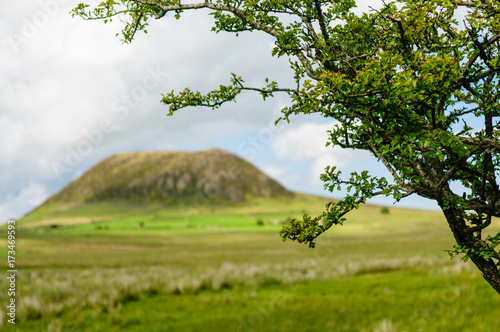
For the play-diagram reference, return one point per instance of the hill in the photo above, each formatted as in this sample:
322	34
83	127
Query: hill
167	178
152	177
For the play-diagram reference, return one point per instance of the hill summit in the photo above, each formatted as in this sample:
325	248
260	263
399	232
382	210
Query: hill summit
169	177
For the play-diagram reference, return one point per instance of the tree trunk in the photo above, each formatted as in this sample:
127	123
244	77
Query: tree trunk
488	268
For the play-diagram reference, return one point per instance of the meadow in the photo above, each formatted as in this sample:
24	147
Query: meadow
225	268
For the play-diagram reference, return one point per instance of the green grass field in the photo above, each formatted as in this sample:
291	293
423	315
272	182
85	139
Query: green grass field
225	268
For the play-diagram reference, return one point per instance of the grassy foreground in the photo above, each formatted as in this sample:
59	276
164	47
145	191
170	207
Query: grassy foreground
102	268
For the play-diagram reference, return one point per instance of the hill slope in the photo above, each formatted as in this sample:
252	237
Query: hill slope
166	177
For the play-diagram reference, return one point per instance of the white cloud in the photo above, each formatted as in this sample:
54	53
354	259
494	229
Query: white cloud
307	143
34	194
29	197
281	174
366	6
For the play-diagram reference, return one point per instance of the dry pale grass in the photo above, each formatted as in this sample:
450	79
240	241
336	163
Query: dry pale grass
66	221
52	291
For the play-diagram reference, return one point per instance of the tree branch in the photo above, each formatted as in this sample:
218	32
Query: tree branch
321	21
482	143
235	11
386	163
401	32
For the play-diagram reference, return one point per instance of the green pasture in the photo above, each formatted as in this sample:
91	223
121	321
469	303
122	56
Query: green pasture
225	268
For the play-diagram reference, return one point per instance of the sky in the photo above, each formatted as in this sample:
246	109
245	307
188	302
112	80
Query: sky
71	94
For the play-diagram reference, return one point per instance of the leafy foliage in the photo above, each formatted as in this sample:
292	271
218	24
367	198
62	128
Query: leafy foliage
415	83
485	250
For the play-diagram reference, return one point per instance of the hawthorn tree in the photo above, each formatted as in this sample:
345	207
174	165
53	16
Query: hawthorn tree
416	83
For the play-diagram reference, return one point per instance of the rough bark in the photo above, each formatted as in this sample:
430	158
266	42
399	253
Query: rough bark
457	224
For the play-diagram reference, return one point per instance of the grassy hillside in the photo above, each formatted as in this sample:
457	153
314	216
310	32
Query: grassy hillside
70	214
169	178
226	269
117	251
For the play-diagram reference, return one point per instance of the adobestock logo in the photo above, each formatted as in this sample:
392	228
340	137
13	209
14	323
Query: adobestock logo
32	26
253	144
120	110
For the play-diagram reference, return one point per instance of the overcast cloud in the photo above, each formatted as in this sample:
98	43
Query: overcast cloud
71	95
